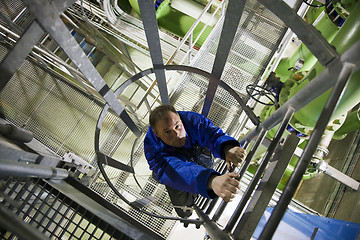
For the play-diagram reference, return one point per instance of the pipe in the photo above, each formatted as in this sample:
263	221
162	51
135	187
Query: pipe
12	168
347	36
15	133
327	28
322	149
309	150
351	124
320	84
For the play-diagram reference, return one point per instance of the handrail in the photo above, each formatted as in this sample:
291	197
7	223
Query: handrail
191	31
192	44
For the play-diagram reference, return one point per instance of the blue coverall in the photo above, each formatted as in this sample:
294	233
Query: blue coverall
174	169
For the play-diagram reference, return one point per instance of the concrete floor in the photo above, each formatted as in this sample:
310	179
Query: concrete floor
325	194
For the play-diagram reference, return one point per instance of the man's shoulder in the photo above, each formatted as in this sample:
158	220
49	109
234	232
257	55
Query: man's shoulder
190	115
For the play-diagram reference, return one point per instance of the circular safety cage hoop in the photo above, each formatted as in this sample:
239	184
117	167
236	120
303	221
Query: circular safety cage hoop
102	159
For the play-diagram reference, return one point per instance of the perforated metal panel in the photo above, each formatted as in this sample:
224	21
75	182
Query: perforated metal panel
57	113
16	12
257	35
51	212
63	117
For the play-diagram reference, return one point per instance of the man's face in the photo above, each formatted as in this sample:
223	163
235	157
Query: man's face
171	130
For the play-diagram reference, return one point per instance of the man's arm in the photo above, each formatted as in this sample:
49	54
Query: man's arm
226	185
175	170
224	146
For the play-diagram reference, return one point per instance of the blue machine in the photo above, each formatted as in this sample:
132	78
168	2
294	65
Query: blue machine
301	226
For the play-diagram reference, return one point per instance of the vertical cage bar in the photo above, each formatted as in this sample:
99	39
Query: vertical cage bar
310	36
309	150
148	15
48	18
17	55
231	23
262	196
249	190
243	168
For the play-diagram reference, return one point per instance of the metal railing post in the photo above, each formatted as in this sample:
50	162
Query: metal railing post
309	150
19	169
265	190
260	170
243	168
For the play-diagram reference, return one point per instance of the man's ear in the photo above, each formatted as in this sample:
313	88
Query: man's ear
155	132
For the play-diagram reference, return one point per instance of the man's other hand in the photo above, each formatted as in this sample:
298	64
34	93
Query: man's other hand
225	186
234	155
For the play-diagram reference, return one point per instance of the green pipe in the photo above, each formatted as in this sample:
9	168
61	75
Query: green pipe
289	169
327	28
352	123
179	24
176	22
307	117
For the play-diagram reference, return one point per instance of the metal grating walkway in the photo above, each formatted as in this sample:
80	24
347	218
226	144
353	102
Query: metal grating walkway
51	212
244	64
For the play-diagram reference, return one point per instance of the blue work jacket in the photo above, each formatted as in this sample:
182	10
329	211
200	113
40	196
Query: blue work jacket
177	171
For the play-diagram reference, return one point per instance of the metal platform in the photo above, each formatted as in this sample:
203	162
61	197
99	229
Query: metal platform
63	108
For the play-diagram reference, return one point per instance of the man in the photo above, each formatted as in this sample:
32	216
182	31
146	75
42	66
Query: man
175	147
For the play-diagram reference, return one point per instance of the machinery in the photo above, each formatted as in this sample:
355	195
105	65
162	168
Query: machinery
79	78
290	77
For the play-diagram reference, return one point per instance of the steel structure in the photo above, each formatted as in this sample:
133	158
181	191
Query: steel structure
118	224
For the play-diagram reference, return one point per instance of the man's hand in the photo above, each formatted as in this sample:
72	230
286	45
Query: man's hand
234	155
225	186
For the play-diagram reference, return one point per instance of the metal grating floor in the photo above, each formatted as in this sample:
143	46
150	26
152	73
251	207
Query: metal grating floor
62	118
51	212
